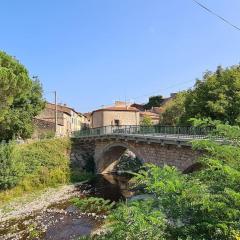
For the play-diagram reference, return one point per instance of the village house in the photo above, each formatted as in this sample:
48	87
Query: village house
123	113
68	121
119	114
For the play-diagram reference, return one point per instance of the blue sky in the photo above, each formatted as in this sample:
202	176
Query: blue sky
96	51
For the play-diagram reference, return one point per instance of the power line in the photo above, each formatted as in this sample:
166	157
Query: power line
217	15
162	89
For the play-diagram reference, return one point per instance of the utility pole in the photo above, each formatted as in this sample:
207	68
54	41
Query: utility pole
56	121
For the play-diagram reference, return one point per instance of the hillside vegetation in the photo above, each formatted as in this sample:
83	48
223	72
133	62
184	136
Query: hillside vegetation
33	166
215	96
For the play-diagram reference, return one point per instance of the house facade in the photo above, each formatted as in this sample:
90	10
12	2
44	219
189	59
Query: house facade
117	115
68	120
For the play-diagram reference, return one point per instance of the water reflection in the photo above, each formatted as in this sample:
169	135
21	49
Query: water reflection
108	186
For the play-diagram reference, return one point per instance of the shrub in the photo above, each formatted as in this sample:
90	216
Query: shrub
128	162
33	166
93	205
11	170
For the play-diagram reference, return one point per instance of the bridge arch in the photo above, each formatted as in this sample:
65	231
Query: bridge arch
108	155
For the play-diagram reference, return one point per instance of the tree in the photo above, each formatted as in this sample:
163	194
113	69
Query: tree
216	96
154	101
21	99
174	110
146	121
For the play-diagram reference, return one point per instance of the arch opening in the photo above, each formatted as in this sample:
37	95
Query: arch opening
118	158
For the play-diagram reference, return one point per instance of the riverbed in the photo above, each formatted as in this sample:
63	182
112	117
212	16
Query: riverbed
60	220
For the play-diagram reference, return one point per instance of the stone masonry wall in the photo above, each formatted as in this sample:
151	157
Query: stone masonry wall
107	151
180	157
81	152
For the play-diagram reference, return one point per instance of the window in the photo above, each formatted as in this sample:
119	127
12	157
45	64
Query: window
116	122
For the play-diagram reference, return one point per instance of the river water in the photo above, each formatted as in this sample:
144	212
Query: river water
62	220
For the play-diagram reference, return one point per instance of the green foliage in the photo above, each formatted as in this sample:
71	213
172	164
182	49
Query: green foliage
216	96
137	220
93	205
154	101
33	166
11	170
204	205
47	135
174	110
146	121
128	162
20	99
33	232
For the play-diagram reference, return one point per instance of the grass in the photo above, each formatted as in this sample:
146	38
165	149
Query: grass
44	164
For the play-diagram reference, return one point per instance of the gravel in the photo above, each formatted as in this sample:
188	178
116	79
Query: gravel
26	205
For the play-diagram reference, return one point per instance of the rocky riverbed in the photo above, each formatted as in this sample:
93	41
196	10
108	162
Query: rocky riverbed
50	214
30	203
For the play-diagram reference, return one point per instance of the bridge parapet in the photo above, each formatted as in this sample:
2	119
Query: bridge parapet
170	132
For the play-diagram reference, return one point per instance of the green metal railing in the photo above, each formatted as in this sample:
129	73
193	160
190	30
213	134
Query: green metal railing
171	131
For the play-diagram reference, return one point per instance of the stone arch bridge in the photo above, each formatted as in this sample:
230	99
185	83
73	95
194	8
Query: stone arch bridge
158	148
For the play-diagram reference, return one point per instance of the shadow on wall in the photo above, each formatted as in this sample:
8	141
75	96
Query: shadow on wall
82	162
115	159
119	160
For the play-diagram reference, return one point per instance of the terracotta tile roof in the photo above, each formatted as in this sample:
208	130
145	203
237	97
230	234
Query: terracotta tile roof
118	108
61	108
138	106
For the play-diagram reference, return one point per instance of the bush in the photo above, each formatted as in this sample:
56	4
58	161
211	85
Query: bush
47	135
11	170
128	162
93	205
33	166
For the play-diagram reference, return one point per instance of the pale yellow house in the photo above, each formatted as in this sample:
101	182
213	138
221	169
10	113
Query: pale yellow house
117	115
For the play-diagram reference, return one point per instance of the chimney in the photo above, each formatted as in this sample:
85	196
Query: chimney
120	104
